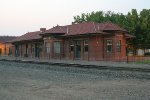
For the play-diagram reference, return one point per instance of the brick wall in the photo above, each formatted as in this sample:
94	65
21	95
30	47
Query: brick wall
96	48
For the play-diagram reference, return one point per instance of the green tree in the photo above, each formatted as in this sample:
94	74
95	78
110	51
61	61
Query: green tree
137	24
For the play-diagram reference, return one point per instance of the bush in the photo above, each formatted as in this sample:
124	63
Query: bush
147	54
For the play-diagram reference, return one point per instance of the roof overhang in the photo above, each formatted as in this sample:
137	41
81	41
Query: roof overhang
51	34
27	41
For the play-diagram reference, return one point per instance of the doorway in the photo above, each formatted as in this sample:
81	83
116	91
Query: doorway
37	50
17	51
77	49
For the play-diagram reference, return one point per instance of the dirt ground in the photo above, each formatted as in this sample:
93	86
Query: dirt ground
20	81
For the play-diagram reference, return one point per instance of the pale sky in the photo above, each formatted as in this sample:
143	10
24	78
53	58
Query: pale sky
20	16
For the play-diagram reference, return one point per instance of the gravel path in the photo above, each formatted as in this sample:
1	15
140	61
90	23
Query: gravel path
20	81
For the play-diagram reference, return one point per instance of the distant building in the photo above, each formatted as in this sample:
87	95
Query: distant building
5	46
84	41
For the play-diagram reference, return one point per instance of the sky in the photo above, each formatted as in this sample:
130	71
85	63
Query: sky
18	17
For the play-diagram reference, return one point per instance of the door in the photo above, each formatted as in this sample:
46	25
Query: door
36	50
78	49
17	51
57	49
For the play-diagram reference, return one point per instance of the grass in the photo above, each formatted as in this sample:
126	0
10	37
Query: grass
143	62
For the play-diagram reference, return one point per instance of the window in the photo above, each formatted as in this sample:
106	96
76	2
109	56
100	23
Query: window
57	47
40	47
47	47
27	49
109	46
119	46
71	46
86	47
17	51
32	48
10	51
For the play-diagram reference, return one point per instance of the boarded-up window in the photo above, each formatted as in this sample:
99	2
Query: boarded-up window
57	46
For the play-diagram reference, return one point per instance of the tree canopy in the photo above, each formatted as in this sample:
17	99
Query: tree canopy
138	24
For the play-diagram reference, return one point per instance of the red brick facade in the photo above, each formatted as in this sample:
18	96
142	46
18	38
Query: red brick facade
97	48
85	41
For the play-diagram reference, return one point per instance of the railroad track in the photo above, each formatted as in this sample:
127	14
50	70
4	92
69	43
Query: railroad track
99	67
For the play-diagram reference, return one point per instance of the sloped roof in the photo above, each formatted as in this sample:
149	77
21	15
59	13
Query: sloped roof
74	29
28	36
85	28
57	29
106	26
82	28
4	39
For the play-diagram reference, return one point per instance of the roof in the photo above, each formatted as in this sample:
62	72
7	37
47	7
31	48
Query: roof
28	36
71	30
85	28
107	26
57	29
82	28
4	39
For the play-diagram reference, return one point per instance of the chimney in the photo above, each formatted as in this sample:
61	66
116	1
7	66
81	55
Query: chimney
42	29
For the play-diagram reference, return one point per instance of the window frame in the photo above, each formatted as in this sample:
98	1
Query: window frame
47	47
118	46
109	45
71	46
27	49
86	45
56	49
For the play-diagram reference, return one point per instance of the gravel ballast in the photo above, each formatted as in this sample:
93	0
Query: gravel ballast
24	81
